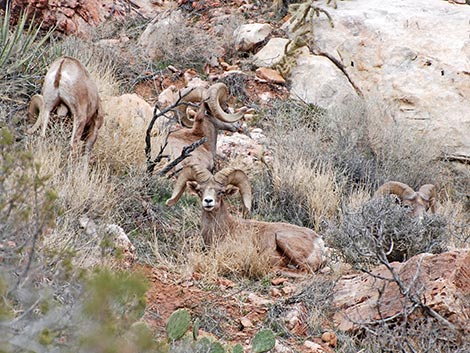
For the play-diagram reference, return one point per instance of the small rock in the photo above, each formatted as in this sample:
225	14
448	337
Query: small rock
278	281
248	35
270	75
257	300
246	323
274	292
271	54
314	347
168	96
288	290
330	338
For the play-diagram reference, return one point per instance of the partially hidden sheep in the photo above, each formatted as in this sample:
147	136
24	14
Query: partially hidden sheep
418	201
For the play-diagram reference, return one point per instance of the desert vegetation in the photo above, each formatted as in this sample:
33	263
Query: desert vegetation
65	284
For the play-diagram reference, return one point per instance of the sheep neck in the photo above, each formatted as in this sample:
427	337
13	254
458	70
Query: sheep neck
207	129
216	224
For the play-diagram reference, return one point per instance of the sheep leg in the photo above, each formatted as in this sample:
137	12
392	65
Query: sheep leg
90	139
300	249
44	115
77	132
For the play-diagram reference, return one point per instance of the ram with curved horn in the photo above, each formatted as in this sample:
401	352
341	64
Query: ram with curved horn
68	87
284	243
209	119
419	201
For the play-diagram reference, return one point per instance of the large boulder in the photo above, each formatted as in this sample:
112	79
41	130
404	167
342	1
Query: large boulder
160	27
127	112
442	282
77	17
414	56
317	80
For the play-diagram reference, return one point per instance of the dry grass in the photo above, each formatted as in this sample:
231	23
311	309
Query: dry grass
121	149
314	188
237	256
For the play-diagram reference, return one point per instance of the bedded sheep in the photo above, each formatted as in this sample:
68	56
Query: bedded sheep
285	243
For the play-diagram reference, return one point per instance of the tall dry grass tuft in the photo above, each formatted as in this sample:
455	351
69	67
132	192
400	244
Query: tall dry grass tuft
300	185
237	255
313	188
120	149
458	221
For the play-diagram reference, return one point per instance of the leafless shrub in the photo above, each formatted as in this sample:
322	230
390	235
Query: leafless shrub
184	45
382	231
311	304
236	84
424	334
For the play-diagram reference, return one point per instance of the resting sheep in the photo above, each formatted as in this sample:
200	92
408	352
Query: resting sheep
67	85
284	243
419	201
209	119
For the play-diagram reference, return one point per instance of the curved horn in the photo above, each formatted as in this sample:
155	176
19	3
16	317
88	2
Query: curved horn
403	191
191	95
189	173
428	193
218	93
238	178
34	109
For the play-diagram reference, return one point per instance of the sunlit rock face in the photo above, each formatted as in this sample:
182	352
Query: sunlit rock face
412	56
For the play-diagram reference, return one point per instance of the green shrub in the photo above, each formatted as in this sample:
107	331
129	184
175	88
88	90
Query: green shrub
22	53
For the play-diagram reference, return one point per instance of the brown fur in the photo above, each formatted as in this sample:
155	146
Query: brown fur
285	243
420	201
67	83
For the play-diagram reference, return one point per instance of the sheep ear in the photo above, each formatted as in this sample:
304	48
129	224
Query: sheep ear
428	192
186	174
192	185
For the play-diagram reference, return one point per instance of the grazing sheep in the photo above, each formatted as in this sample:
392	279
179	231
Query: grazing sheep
67	85
205	124
285	243
419	201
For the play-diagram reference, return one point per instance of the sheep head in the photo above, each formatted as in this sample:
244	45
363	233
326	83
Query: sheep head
215	96
35	106
419	201
212	189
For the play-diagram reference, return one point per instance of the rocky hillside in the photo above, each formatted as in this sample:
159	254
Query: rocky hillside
337	98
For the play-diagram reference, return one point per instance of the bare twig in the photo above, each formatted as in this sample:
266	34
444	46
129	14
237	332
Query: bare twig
185	153
148	143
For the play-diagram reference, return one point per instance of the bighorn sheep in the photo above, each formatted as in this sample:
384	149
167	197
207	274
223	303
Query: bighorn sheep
67	85
285	243
420	201
204	125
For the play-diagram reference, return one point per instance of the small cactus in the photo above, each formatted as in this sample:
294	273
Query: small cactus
237	348
216	347
203	345
263	341
196	329
178	324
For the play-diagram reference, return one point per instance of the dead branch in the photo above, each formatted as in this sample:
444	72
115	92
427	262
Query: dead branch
148	143
185	153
